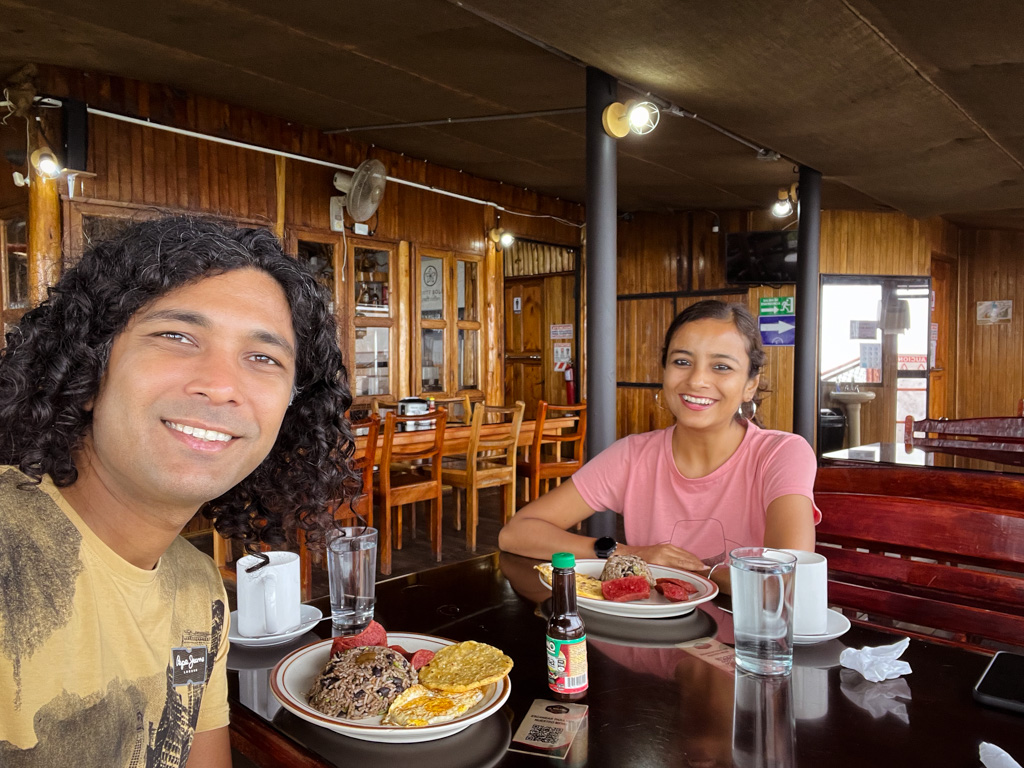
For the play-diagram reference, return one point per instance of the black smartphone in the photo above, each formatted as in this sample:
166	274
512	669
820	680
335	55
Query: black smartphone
1002	683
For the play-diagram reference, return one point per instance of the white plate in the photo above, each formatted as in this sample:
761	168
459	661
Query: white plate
657	606
293	676
837	625
309	616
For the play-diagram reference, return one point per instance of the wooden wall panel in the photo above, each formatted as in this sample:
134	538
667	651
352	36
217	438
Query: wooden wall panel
142	166
559	307
990	372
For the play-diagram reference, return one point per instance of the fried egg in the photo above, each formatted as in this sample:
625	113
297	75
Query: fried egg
586	586
420	705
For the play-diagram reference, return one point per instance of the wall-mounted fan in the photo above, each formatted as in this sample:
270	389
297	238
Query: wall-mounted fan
361	193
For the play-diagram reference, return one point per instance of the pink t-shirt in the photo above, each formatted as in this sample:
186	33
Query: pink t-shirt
708	516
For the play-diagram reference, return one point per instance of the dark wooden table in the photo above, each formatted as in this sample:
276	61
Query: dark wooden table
651	704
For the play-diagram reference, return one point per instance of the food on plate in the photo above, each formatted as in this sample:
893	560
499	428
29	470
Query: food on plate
465	666
361	682
420	705
421	658
618	566
626	589
374	634
586	586
676	590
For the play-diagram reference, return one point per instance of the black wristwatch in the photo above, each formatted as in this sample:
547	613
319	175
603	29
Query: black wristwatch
605	546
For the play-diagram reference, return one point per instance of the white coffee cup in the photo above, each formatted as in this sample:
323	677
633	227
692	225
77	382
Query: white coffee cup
268	598
810	595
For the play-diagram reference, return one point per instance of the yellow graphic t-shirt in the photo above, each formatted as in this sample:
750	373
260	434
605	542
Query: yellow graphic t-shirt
102	663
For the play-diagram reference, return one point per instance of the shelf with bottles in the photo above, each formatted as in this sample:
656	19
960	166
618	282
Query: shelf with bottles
372	298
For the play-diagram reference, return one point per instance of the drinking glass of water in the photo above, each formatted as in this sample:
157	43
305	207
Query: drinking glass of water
351	570
762	609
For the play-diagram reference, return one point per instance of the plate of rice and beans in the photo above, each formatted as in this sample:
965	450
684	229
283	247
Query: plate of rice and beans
626	586
379	693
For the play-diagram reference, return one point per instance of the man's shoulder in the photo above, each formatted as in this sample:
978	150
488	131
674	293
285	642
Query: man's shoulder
188	561
24	501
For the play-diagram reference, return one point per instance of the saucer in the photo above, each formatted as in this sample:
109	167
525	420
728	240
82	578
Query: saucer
309	617
837	625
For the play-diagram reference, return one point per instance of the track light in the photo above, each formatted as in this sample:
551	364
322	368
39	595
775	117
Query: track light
639	117
501	237
783	207
45	162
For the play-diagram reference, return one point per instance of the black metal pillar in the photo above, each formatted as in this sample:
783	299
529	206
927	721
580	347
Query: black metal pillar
602	204
805	374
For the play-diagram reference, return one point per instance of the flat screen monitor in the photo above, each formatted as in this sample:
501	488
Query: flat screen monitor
760	258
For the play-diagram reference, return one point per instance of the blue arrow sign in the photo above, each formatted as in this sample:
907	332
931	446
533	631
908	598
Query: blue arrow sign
777	330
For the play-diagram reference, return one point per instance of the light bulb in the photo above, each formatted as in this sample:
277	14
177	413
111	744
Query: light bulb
782	209
506	240
639	116
46	163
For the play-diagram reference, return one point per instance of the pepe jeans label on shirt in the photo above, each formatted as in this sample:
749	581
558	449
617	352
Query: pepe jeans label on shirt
567	665
189	665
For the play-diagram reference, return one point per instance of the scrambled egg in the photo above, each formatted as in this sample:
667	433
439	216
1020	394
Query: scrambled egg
419	705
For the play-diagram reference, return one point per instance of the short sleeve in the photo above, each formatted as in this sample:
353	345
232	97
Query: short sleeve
213	711
790	470
603	480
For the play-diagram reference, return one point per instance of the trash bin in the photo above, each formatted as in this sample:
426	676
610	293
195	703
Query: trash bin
831	430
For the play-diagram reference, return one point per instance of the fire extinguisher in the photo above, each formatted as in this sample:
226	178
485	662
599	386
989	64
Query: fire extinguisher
570	385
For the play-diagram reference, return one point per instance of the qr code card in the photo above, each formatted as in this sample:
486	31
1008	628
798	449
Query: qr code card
548	728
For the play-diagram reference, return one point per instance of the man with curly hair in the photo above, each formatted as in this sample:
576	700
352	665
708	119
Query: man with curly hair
183	365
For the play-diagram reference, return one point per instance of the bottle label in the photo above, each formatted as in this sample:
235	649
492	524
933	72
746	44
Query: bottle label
567	665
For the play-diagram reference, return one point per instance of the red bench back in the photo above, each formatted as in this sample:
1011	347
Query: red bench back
937	549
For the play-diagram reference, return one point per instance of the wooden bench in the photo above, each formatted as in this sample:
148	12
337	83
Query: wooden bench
998	439
937	553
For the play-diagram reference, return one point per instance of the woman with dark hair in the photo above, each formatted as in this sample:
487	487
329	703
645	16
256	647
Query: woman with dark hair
713	481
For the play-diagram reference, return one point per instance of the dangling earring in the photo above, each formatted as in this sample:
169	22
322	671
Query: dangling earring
659	399
748	409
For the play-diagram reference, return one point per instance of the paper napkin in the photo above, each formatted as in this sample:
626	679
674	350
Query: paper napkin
877	664
994	757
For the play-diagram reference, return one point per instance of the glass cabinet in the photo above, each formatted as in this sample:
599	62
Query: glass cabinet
373	317
448	296
359	275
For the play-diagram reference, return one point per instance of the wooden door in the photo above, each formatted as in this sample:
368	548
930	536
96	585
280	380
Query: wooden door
941	398
524	369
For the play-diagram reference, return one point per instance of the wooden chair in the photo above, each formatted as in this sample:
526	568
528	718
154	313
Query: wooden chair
926	550
460	409
399	484
358	508
999	439
536	467
490	461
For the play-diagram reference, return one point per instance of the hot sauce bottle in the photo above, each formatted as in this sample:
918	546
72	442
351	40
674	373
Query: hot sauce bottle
566	636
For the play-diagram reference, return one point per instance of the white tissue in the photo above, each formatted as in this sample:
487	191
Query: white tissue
877	664
879	699
994	757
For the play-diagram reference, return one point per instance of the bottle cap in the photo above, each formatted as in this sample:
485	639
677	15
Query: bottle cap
563	560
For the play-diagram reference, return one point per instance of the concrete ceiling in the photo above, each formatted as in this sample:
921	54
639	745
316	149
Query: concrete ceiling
913	105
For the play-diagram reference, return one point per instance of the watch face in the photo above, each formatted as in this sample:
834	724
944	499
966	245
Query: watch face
605	546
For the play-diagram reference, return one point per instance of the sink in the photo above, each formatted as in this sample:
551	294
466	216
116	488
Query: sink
853	398
853	401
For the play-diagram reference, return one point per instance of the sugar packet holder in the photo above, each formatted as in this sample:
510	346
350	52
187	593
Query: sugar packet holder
877	664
